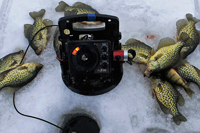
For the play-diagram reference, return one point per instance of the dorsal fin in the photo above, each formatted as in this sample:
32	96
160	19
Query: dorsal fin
80	4
132	40
61	7
165	42
191	18
47	22
180	24
26	29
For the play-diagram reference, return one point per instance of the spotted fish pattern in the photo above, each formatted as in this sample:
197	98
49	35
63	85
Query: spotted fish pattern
164	58
11	60
142	51
188	33
175	78
189	73
167	98
20	75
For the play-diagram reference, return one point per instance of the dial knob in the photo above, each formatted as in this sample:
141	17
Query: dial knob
104	57
104	65
104	48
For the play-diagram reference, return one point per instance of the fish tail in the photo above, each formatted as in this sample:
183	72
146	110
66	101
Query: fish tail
188	91
40	14
191	18
61	7
178	118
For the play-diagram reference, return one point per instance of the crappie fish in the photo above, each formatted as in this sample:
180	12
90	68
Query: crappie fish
11	61
173	76
165	58
189	73
19	76
143	51
42	37
168	97
187	32
77	8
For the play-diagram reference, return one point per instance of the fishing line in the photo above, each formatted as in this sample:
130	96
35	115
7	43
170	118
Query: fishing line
14	92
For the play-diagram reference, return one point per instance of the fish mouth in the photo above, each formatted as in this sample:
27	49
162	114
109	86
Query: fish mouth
39	66
147	73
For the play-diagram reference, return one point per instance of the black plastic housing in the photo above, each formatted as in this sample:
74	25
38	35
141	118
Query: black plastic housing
90	83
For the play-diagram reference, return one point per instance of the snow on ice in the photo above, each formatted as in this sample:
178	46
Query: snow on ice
129	108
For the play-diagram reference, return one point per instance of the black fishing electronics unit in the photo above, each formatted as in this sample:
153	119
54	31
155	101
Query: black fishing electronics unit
91	58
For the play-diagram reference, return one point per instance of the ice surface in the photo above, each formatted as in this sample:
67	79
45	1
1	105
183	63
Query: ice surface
129	108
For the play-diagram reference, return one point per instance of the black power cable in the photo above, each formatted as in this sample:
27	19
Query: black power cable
14	92
33	39
33	116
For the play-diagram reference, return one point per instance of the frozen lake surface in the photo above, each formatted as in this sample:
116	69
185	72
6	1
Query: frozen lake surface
129	108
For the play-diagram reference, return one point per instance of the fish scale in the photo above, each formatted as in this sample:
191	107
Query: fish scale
164	58
20	75
168	97
188	33
189	73
36	27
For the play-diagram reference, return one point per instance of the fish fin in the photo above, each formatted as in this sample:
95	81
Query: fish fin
165	42
189	92
178	118
68	13
26	28
180	62
152	52
142	55
181	100
184	36
48	38
180	24
47	22
162	107
22	68
37	14
191	18
14	63
80	4
132	40
199	35
177	38
11	90
3	74
61	7
158	56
